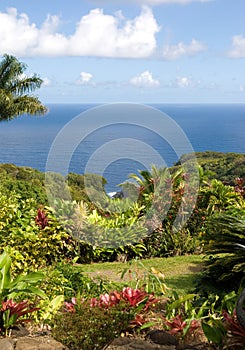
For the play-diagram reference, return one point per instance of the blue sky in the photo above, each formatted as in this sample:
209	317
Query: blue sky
147	51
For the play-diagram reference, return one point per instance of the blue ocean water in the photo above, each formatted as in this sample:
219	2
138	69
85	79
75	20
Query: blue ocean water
27	141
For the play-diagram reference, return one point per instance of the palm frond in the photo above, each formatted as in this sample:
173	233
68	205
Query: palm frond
29	104
10	69
15	88
26	85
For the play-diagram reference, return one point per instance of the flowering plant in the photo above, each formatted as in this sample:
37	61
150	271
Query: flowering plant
11	311
129	298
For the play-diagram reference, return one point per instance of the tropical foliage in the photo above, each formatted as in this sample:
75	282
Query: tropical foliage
33	237
51	224
92	227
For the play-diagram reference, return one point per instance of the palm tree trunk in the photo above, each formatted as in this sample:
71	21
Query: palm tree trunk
239	309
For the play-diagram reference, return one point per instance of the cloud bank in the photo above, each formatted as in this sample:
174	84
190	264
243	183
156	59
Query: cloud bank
238	47
145	79
159	2
96	34
173	52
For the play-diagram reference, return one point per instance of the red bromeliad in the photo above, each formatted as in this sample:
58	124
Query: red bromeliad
176	325
179	326
41	219
19	309
131	296
11	311
232	324
138	321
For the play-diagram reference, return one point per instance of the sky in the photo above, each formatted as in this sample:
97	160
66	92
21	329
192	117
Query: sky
142	51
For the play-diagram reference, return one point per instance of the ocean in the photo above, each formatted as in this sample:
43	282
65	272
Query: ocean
119	149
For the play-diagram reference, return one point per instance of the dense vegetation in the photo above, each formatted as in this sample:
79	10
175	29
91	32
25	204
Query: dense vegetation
226	167
167	219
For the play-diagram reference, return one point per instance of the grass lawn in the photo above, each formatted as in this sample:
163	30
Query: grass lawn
180	272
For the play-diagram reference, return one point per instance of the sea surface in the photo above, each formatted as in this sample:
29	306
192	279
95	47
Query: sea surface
27	141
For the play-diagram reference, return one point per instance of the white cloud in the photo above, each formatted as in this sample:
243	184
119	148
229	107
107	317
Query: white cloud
85	78
145	79
96	34
238	47
172	52
159	2
184	82
46	82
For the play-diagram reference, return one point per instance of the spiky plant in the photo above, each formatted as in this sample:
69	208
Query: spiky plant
224	239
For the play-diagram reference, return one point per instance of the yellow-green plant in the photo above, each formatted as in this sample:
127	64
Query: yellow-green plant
152	280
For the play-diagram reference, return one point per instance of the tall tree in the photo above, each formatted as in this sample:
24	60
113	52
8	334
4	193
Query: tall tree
16	89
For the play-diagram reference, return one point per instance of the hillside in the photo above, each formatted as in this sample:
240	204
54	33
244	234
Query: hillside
30	183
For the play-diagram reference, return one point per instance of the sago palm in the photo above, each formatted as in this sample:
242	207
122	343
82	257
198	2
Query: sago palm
16	89
224	239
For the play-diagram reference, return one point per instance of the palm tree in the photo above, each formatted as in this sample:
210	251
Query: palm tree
15	89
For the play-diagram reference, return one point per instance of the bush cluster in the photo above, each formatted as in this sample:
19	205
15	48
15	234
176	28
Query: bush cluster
90	328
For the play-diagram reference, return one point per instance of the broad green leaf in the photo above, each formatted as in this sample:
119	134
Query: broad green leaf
5	263
147	325
28	290
32	277
53	306
215	335
177	303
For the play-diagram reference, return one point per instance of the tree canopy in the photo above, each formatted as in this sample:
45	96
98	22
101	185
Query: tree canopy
16	90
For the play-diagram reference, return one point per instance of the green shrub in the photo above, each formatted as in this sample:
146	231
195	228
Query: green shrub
68	279
166	242
24	181
90	328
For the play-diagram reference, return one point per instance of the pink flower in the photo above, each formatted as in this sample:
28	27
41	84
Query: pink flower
69	307
74	301
133	296
94	302
115	297
105	300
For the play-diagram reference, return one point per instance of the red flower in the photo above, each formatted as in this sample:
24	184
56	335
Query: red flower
138	321
41	219
106	300
176	325
133	296
70	307
151	301
18	309
232	324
